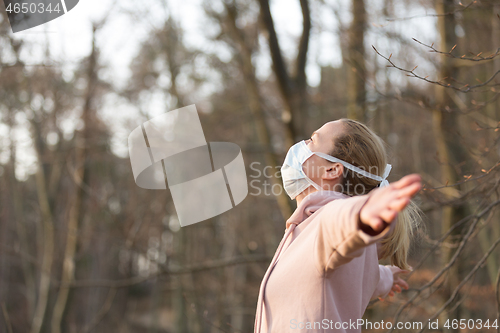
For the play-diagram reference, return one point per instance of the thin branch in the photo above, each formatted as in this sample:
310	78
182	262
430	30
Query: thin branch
170	271
433	15
420	101
2	65
477	57
466	88
467	178
452	261
464	281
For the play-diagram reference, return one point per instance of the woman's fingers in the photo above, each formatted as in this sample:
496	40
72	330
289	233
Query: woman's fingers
379	221
402	271
376	224
410	190
407	180
399	283
384	205
388	215
399	204
400	199
403	284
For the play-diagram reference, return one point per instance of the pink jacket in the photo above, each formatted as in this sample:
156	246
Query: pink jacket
325	270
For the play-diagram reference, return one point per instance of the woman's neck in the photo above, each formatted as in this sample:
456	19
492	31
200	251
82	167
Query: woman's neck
304	193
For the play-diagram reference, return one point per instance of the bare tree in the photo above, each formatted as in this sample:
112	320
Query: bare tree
356	60
82	143
292	83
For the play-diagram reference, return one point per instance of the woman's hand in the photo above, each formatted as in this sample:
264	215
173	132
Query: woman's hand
385	203
398	282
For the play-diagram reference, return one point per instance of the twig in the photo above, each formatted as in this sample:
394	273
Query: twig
466	88
469	178
448	54
168	271
433	15
452	261
464	281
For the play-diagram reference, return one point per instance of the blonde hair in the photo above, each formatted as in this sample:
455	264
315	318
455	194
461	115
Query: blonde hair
360	146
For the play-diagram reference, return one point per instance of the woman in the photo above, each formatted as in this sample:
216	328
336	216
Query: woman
325	270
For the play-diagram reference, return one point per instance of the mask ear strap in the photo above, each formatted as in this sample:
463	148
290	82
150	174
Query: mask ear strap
383	180
387	170
349	166
313	183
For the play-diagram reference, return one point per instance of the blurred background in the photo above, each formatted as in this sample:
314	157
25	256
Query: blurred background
83	249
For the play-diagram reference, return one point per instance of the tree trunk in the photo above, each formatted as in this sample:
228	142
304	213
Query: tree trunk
357	75
490	234
451	153
255	105
79	176
48	235
292	88
14	187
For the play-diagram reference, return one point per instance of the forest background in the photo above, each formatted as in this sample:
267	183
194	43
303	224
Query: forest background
83	249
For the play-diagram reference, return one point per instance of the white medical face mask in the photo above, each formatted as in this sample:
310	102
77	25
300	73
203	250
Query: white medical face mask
295	180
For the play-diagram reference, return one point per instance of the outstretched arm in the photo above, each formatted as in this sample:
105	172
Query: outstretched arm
360	221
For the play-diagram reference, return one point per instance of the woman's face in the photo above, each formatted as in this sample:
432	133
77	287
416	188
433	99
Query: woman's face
323	172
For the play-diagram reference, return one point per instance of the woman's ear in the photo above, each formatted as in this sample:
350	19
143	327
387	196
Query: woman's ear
334	171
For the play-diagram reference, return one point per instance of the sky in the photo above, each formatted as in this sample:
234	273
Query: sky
68	40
